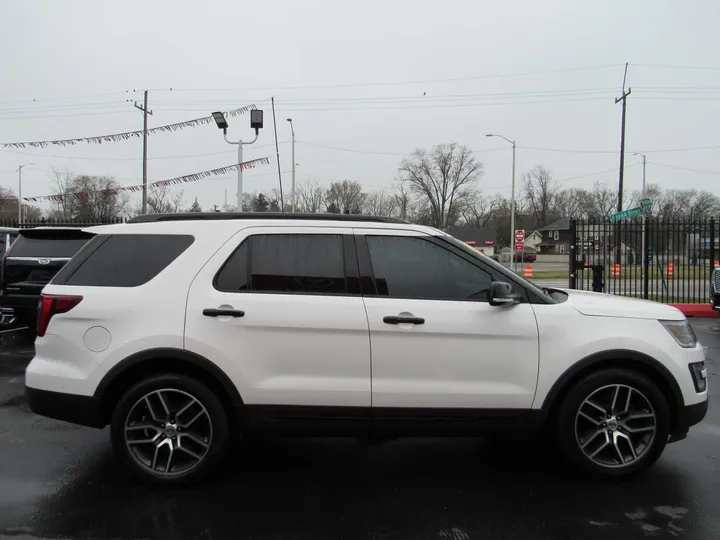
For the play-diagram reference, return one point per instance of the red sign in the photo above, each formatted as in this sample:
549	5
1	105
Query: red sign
520	235
519	246
470	242
489	242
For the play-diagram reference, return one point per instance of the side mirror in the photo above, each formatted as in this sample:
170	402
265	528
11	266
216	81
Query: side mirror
501	294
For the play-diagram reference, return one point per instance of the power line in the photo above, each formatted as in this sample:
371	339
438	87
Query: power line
397	83
683	168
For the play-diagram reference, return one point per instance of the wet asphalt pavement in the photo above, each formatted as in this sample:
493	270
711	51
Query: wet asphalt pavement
61	481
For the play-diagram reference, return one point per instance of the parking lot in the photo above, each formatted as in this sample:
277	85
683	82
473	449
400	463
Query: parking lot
61	481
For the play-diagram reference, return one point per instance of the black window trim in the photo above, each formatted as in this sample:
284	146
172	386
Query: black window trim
369	287
350	264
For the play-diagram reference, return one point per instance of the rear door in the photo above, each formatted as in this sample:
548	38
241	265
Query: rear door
279	310
36	256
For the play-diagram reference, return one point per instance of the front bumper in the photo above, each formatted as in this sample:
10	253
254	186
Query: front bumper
688	416
82	410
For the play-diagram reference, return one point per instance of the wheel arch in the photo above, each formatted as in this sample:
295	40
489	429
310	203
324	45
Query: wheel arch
624	359
166	360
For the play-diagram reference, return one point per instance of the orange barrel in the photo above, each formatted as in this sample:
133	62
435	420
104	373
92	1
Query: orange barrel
528	272
670	270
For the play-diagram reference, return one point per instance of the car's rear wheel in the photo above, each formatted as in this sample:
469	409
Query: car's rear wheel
613	423
170	429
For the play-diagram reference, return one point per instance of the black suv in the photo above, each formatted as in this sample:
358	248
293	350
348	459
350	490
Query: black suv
715	287
29	264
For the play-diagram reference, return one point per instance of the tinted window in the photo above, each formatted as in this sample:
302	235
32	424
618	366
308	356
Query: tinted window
47	247
407	267
233	276
294	263
124	260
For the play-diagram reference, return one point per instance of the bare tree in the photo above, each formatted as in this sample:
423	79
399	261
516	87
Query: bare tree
379	203
89	198
195	206
479	211
309	197
345	197
443	179
162	200
9	208
541	194
403	200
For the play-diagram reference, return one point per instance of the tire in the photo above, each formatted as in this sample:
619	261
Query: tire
596	444
161	449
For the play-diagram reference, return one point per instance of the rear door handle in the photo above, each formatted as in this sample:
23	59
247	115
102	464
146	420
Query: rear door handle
211	312
395	319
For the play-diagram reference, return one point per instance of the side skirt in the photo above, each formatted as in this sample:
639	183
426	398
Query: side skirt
387	421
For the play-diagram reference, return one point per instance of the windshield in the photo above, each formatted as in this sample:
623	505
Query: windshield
46	247
499	267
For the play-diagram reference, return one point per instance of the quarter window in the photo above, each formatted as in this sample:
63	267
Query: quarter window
286	263
409	267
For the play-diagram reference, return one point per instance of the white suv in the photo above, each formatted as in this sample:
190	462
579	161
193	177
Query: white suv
181	330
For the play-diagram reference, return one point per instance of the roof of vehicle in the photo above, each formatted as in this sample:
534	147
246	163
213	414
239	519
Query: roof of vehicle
236	221
11	230
55	232
215	216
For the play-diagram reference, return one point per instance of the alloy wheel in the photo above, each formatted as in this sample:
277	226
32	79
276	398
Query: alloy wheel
615	426
168	432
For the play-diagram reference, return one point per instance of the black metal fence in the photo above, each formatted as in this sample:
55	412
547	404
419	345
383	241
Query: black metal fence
5	222
664	260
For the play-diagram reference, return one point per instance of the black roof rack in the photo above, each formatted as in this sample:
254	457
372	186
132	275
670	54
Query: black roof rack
203	216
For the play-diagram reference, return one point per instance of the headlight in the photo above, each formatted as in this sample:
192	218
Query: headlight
682	332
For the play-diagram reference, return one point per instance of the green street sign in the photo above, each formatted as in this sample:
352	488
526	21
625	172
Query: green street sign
647	201
625	214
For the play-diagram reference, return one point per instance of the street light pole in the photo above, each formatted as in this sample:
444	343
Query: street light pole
256	122
20	168
512	202
292	190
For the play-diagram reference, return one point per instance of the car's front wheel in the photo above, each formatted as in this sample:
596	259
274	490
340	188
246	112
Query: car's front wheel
613	423
170	429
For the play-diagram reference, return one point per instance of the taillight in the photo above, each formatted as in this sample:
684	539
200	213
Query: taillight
52	304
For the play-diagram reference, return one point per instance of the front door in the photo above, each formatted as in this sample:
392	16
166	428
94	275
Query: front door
436	341
276	311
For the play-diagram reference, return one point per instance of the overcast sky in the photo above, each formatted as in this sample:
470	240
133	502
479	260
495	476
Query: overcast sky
544	73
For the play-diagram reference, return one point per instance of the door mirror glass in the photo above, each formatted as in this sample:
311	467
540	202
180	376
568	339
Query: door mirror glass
501	294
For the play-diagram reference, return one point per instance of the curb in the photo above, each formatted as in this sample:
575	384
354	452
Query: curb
700	311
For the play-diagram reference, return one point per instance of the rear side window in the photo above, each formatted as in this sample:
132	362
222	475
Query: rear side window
289	263
123	260
47	248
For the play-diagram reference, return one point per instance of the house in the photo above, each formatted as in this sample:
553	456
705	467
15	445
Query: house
555	238
533	240
483	239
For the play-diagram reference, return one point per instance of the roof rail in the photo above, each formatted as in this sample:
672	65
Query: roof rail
212	216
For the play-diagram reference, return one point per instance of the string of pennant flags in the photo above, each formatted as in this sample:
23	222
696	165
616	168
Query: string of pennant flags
116	137
194	177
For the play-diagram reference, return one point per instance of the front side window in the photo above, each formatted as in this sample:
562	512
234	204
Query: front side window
410	267
286	263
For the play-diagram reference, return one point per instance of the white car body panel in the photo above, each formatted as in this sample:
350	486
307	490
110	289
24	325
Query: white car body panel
288	349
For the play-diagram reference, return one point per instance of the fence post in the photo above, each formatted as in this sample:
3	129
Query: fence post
573	254
712	245
646	257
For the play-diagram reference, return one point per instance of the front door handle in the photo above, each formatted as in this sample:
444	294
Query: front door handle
211	312
396	319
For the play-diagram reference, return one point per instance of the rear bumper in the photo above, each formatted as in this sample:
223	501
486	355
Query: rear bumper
25	307
688	417
82	410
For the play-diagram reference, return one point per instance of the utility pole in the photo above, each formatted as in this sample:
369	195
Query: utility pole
144	109
623	98
292	189
19	199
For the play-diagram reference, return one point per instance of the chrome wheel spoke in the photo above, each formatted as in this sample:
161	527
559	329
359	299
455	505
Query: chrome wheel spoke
195	439
150	408
140	427
146	441
162	401
589	418
190	453
598	407
627	401
592	438
615	397
603	446
191	422
639	416
185	408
